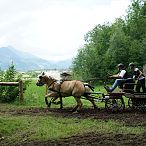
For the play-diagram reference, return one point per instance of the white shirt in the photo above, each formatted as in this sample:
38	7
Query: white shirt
122	73
136	69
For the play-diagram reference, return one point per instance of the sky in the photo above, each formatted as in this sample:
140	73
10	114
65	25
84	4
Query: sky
54	29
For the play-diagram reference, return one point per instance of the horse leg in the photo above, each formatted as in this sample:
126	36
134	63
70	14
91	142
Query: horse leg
49	105
75	108
53	99
79	104
46	100
61	104
90	98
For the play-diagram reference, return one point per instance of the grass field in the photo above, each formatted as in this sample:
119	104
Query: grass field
31	121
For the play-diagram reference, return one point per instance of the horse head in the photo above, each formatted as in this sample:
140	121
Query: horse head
44	79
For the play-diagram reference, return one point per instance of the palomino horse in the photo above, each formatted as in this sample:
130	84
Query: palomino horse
73	88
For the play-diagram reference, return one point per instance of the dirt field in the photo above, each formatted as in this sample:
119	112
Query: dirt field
92	139
129	117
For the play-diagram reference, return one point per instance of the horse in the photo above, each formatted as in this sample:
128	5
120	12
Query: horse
73	88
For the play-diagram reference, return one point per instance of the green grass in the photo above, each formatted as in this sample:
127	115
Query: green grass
20	128
34	95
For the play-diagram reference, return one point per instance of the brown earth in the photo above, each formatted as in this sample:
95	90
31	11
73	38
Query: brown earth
92	139
131	118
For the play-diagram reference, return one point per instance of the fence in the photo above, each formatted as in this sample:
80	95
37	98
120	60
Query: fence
19	84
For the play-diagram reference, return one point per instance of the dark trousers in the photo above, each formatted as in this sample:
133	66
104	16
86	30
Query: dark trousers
141	83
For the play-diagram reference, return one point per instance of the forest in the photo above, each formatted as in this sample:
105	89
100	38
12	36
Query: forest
106	45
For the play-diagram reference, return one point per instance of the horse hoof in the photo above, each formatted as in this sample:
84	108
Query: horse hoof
49	104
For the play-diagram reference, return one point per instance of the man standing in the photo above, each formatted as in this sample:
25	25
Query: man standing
138	75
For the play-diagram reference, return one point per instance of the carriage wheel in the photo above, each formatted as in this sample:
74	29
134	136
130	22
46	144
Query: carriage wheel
138	104
114	105
131	103
142	106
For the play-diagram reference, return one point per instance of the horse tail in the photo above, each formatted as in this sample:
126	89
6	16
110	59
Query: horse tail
88	85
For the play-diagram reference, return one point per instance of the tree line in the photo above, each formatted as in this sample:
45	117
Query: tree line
122	41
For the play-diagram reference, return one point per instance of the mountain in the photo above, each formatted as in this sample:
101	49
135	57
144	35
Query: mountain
63	64
25	61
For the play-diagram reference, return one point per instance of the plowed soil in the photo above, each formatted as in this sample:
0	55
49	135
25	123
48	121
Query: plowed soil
131	118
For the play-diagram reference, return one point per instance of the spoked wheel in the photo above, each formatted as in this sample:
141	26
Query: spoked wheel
131	103
114	105
142	105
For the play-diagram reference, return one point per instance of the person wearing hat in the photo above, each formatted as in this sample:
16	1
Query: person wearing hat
121	77
64	77
138	75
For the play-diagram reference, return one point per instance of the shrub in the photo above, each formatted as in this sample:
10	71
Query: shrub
10	93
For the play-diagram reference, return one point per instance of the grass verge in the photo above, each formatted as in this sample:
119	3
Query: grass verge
18	129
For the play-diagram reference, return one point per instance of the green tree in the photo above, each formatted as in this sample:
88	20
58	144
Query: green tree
10	74
109	44
92	54
136	20
9	93
118	51
136	30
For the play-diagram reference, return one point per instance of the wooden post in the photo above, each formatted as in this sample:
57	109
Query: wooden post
9	83
21	91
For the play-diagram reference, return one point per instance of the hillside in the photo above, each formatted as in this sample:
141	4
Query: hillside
25	61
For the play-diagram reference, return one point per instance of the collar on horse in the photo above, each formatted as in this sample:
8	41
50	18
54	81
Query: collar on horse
51	88
51	83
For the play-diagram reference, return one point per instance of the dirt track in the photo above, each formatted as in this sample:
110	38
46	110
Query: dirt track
92	139
129	117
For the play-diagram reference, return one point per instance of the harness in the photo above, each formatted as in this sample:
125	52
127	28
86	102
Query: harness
58	91
51	83
51	89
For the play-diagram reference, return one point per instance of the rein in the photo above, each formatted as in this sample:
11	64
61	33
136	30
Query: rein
51	89
52	83
57	91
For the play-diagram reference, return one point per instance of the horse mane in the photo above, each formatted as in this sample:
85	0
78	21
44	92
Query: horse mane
52	78
47	76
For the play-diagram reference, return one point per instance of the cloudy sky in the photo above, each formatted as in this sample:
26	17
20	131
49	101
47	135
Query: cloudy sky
54	29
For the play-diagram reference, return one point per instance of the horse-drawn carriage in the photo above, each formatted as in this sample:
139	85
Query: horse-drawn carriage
114	101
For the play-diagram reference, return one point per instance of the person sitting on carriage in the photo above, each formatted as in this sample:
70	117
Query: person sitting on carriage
139	76
65	77
121	77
